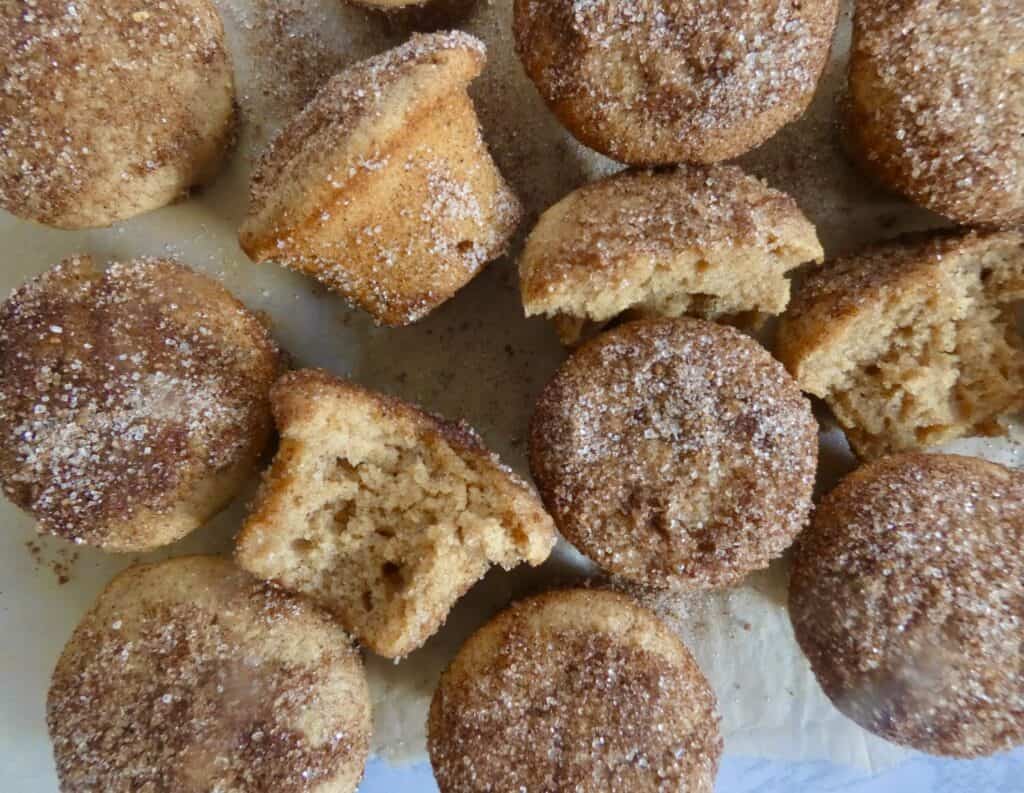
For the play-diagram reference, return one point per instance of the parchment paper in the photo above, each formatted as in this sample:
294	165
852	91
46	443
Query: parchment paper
475	358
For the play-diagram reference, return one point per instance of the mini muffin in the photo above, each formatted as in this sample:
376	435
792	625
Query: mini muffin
577	691
706	241
914	342
382	513
676	453
109	108
652	82
935	106
382	188
134	403
907	596
189	676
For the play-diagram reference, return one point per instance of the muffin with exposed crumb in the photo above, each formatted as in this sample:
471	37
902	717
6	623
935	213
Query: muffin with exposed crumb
913	342
383	188
676	453
576	691
189	676
710	242
907	595
935	105
382	513
133	402
109	108
655	81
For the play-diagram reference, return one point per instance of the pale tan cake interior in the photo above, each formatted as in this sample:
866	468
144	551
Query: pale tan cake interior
914	345
711	242
384	514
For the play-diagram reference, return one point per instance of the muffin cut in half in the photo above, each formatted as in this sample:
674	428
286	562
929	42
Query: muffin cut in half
710	242
382	187
913	343
383	513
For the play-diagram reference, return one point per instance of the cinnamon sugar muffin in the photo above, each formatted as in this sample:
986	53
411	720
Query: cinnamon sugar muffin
382	188
705	241
109	108
676	453
578	691
913	342
936	104
382	513
907	595
188	676
133	402
661	81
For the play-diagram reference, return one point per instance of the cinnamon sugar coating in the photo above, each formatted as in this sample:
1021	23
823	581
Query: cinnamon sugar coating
936	104
133	402
665	81
188	676
109	108
577	691
907	595
382	187
675	453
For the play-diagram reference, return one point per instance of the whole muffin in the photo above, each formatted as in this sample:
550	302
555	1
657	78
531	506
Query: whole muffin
189	676
134	403
664	81
578	691
109	108
907	595
675	453
382	188
936	104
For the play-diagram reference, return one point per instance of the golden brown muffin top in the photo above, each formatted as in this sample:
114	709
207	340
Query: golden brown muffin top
592	238
189	676
83	83
907	593
120	388
659	81
675	452
577	691
937	103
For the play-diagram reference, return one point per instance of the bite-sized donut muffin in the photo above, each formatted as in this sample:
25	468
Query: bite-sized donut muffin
676	453
659	81
189	676
109	108
576	691
913	342
384	514
133	402
382	187
705	241
907	595
935	106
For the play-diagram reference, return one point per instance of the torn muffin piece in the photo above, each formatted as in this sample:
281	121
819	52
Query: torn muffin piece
914	342
382	513
710	242
382	187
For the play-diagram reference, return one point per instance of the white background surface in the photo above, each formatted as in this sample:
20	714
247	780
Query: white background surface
475	358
